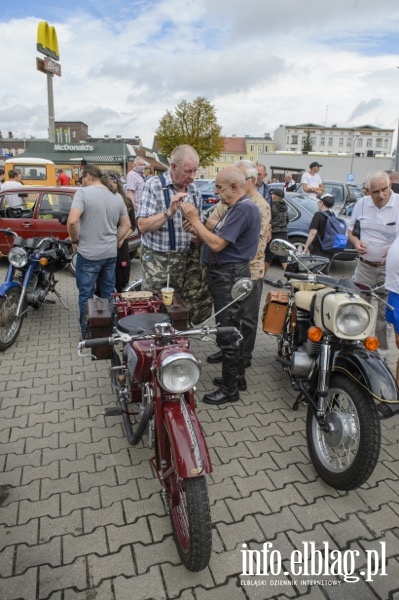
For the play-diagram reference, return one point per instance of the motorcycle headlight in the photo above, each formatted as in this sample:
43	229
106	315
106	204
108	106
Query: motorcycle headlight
352	319
18	257
179	372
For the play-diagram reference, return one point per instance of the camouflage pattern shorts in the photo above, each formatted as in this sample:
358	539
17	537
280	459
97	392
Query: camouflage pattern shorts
157	266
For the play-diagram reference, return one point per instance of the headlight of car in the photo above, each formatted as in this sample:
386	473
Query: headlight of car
18	257
352	319
178	373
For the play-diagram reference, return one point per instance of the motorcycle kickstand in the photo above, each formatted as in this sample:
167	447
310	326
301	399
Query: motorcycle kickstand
298	402
56	292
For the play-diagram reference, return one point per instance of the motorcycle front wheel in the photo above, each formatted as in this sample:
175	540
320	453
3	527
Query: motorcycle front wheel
345	456
9	324
191	519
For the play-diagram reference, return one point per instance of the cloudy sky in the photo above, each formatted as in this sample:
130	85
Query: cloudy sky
261	63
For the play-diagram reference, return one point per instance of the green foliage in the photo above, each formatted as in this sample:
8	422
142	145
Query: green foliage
307	145
195	124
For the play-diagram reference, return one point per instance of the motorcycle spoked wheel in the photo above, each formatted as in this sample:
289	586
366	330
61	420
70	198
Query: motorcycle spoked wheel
346	457
190	515
9	325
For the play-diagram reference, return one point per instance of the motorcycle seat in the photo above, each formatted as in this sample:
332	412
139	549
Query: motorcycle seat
304	299
305	285
142	323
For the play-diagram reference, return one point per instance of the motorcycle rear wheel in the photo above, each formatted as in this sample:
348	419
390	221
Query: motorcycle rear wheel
191	519
345	457
9	325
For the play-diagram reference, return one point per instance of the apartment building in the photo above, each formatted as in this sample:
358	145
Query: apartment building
241	148
366	140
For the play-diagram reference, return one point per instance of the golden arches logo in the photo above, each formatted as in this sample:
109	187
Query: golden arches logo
47	42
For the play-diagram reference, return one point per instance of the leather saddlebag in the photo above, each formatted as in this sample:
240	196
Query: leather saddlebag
275	312
99	325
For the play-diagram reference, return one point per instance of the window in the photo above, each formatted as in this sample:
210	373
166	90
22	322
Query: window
322	141
349	142
231	158
312	140
260	148
266	149
74	134
288	139
251	148
294	139
385	143
241	158
330	141
359	142
251	158
379	142
54	204
223	158
341	142
369	143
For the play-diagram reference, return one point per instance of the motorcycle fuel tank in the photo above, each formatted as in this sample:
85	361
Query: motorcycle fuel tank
343	314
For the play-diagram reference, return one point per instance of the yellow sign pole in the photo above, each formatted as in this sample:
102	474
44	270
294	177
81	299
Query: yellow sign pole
47	44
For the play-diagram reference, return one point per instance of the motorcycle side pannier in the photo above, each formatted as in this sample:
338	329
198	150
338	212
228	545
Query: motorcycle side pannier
275	312
99	325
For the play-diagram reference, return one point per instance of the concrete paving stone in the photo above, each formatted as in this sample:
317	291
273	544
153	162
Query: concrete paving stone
249	421
226	489
316	489
3	462
261	447
7	423
50	455
232	469
6	562
275	523
128	473
220	512
37	409
234	437
9	536
160	527
81	545
251	483
345	532
318	512
57	578
81	437
253	504
29	510
59	526
130	534
96	479
35	418
108	432
10	478
6	413
71	502
86	449
177	577
10	398
141	587
383	586
228	590
147	487
19	587
296	439
34	556
133	509
288	496
216	440
381	494
24	492
390	540
81	423
281	477
111	565
109	495
216	426
237	451
31	473
102	592
232	534
76	415
68	484
155	553
21	383
33	444
346	503
358	591
221	570
49	427
119	459
381	473
102	517
17	447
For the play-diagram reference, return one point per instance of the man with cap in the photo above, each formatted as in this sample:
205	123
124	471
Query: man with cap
279	225
311	181
318	225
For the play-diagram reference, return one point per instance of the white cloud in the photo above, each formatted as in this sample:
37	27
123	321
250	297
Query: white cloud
260	63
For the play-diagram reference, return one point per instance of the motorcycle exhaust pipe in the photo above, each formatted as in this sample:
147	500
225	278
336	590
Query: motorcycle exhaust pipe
134	437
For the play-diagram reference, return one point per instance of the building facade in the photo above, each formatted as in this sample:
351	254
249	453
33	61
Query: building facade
363	141
241	148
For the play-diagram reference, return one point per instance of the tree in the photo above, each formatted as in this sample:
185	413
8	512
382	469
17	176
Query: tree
307	145
195	124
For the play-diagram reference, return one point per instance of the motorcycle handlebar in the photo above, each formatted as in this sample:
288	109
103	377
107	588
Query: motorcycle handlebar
96	342
8	231
302	276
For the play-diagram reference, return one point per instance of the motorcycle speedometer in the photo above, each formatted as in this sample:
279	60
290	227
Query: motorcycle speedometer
18	257
352	319
178	372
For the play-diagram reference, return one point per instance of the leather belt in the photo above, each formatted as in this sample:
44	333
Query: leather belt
369	262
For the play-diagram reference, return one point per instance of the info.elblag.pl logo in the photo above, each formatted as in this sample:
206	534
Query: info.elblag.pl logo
311	562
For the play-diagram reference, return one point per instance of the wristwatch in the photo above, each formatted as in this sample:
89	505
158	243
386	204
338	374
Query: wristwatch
168	217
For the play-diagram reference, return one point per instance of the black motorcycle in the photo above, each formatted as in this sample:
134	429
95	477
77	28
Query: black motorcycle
29	280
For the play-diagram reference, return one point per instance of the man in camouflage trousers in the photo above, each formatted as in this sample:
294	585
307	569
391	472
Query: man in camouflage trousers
250	316
165	243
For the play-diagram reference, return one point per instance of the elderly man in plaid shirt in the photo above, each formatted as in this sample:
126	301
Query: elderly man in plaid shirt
165	243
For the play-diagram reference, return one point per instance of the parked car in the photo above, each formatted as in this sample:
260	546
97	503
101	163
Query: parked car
345	194
209	198
38	212
200	182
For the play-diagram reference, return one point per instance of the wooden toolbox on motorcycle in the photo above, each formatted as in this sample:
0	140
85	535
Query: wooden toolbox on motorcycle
98	325
275	312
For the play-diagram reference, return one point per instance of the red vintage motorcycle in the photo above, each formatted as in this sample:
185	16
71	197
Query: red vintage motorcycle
155	371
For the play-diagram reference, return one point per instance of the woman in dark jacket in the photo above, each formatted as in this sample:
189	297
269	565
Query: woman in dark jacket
279	223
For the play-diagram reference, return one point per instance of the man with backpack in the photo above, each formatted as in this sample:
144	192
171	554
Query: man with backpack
327	234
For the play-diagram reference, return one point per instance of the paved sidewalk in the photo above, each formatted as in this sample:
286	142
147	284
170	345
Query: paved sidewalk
81	516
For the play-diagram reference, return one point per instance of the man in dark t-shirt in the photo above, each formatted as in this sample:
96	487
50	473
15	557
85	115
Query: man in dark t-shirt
318	226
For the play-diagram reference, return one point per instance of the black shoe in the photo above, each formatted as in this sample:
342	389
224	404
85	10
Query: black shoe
241	384
215	358
247	363
220	397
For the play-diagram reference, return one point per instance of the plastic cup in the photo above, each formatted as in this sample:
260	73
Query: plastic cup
167	295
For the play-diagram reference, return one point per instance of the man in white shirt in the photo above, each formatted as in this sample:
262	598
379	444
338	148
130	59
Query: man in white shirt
12	183
378	215
135	181
311	181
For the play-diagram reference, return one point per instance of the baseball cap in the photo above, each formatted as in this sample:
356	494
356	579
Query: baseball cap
327	199
314	164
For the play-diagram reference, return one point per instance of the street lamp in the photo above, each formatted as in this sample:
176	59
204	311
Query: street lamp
353	152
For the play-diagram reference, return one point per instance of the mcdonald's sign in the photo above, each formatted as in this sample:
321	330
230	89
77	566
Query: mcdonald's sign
47	42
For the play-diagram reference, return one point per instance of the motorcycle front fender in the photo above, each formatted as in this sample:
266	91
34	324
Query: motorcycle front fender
187	440
373	371
6	286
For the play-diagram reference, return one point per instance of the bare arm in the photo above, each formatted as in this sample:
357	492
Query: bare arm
124	228
311	237
73	225
215	243
358	244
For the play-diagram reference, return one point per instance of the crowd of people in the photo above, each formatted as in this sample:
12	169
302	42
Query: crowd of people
235	240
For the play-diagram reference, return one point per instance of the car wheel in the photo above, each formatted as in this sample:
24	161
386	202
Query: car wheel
299	243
